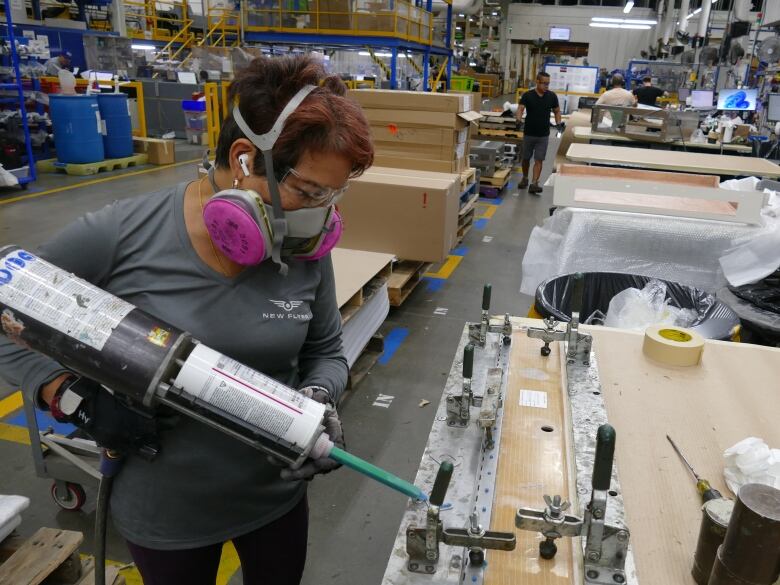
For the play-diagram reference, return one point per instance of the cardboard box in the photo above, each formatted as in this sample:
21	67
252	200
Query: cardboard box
341	20
421	164
411	135
411	214
417	119
428	151
392	99
160	152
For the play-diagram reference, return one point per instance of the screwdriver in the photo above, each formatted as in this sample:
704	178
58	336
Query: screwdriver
702	485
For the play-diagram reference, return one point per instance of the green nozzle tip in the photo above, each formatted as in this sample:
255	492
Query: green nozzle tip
377	473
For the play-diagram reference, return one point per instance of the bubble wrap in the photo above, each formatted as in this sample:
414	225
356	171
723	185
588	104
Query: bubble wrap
584	240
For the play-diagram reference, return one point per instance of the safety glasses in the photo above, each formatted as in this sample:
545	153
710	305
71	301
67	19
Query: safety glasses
314	195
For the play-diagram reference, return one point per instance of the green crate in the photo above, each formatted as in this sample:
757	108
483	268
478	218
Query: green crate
462	83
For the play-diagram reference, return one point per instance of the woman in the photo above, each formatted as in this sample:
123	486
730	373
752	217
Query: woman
173	254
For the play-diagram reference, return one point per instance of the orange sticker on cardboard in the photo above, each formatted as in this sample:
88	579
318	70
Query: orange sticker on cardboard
159	336
393	129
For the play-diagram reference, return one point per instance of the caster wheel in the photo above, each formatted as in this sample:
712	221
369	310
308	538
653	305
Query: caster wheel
72	500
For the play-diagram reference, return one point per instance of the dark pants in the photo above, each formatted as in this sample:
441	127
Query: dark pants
272	555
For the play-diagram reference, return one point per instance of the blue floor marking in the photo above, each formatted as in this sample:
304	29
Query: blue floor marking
393	340
489	201
480	224
45	420
459	251
434	284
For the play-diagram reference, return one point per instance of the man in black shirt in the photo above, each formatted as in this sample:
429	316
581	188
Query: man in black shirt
647	94
538	103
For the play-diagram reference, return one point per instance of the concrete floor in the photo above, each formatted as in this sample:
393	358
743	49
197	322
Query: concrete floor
353	520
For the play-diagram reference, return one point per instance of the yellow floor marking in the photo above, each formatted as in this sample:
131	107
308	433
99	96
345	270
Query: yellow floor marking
447	268
228	564
14	433
489	212
11	403
95	182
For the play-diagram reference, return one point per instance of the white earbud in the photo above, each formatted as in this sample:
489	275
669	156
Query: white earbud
242	160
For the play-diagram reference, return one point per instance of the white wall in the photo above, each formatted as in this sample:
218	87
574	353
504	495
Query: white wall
610	48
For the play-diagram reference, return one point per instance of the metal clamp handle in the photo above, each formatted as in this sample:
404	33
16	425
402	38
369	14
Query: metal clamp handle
576	302
486	292
441	483
605	454
468	361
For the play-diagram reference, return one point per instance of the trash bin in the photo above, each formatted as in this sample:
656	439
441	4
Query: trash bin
194	120
553	298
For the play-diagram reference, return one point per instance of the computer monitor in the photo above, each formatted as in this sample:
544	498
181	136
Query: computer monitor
773	112
187	77
702	98
738	99
682	94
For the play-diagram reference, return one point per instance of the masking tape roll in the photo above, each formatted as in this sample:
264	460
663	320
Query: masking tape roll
673	346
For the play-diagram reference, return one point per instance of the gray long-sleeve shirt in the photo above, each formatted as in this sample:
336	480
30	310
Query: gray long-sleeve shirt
203	487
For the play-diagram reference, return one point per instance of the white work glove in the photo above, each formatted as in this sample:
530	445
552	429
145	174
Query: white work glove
334	430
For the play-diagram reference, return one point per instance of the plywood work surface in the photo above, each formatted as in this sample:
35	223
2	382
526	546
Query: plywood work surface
586	133
640	175
690	162
732	395
532	463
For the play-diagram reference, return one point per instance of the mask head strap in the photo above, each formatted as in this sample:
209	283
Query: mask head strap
265	142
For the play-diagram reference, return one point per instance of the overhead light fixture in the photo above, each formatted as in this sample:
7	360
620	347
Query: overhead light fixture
143	47
380	54
629	5
616	25
623	20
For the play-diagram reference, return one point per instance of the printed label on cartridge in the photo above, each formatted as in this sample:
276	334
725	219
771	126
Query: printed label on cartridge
34	288
279	411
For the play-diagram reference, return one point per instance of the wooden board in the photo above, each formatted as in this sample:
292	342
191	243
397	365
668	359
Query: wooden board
499	179
467	178
532	463
406	275
587	134
691	162
353	269
40	556
640	175
732	395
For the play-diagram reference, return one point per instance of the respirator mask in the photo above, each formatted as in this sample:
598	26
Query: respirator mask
249	231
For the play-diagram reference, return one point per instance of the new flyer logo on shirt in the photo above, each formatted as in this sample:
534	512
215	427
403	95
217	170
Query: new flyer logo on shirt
291	311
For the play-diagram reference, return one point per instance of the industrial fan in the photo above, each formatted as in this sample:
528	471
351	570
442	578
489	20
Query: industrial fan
769	50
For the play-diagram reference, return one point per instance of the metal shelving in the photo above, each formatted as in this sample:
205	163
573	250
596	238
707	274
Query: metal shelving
26	173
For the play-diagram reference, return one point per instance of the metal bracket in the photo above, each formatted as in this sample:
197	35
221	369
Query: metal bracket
422	544
490	403
459	407
606	546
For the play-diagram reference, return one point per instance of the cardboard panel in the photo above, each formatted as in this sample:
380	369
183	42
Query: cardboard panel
421	164
412	100
414	135
425	119
412	215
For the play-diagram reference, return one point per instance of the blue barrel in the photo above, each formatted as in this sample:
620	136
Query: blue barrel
118	139
77	128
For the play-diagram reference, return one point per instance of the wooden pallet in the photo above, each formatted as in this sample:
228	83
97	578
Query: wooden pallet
406	275
469	204
366	361
51	165
49	556
516	134
499	179
368	290
467	178
465	223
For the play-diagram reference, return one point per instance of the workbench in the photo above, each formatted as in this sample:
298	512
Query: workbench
548	418
664	160
587	135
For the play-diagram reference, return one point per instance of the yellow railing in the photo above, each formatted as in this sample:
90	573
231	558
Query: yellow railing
143	21
385	69
400	19
211	92
435	82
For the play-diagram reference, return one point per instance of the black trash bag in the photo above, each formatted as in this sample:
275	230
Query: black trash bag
764	294
715	320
